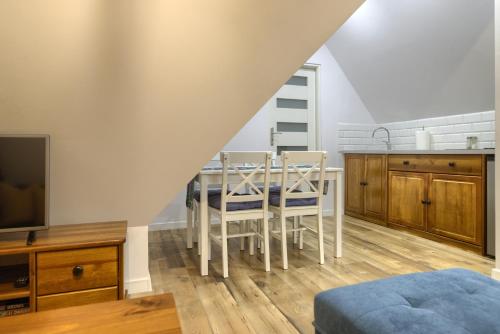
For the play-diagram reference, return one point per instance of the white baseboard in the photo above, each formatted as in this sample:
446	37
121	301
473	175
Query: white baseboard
167	225
495	274
178	224
139	285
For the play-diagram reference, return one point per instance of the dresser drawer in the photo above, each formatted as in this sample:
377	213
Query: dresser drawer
79	269
76	298
444	164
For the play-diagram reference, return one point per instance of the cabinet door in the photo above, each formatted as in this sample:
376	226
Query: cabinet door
406	193
455	208
354	177
375	186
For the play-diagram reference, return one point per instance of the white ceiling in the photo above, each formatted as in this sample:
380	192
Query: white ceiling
410	59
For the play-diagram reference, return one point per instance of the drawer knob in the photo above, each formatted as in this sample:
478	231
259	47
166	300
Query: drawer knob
451	164
406	162
78	271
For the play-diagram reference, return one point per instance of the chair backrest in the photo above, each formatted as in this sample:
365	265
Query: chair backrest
240	169
305	164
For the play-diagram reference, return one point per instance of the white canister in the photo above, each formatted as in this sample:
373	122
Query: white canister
423	139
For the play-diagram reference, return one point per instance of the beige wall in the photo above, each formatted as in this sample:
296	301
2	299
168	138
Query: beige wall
138	95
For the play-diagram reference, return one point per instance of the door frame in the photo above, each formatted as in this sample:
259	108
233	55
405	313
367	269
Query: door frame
317	69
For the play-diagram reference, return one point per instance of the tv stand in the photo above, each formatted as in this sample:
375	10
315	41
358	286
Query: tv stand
67	265
31	238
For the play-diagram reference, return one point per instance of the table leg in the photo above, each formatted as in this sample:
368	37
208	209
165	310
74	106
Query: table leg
338	216
203	214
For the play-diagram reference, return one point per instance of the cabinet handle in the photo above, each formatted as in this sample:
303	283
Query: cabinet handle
451	164
363	183
78	271
426	202
406	162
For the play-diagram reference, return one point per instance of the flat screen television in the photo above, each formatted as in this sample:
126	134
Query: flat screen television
24	182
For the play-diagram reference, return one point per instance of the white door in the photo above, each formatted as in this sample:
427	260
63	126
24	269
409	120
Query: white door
292	113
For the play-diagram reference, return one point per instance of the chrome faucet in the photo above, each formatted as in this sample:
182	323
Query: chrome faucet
388	141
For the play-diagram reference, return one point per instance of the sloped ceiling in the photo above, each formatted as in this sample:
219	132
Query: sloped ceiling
410	59
137	95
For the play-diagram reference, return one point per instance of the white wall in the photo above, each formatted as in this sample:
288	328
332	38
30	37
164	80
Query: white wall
339	102
414	59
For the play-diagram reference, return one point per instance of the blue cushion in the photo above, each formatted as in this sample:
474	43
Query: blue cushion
211	192
215	201
274	199
448	301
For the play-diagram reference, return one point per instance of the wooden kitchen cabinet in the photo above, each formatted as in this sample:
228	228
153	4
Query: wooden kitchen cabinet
440	197
354	177
366	186
407	198
455	207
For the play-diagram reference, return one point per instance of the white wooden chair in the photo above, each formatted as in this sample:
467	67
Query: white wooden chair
193	217
292	202
231	206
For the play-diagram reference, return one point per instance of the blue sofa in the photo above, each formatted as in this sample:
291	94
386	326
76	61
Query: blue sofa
450	301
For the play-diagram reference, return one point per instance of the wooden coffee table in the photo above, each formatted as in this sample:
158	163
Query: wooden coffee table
154	314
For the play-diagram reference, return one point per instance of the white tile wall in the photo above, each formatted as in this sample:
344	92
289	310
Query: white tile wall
448	132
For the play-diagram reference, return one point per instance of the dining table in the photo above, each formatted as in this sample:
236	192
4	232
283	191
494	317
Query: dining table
212	176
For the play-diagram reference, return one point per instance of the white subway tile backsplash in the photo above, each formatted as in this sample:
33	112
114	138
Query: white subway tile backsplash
483	126
446	132
457	119
487	136
473	118
488	116
462	127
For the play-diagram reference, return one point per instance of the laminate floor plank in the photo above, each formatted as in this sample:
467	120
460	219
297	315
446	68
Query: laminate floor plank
281	301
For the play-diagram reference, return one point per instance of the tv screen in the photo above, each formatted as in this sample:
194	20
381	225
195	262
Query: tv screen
24	170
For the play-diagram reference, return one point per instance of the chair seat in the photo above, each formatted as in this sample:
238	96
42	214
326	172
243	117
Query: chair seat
215	202
275	199
211	192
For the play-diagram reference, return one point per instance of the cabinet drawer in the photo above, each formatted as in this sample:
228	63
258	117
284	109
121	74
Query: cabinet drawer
80	269
76	298
444	164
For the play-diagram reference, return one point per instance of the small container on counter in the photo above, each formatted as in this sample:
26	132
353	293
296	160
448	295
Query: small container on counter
422	139
472	143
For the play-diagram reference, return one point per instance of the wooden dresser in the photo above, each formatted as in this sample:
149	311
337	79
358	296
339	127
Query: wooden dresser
68	265
438	196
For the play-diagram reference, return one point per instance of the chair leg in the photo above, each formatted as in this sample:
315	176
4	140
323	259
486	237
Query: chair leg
251	243
259	231
295	226
301	235
225	273
320	239
195	223
284	253
198	231
189	227
262	232
265	247
209	231
242	230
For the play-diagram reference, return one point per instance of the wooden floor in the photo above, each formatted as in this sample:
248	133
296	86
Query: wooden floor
253	301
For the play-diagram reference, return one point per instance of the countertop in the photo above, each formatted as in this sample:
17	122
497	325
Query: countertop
455	152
